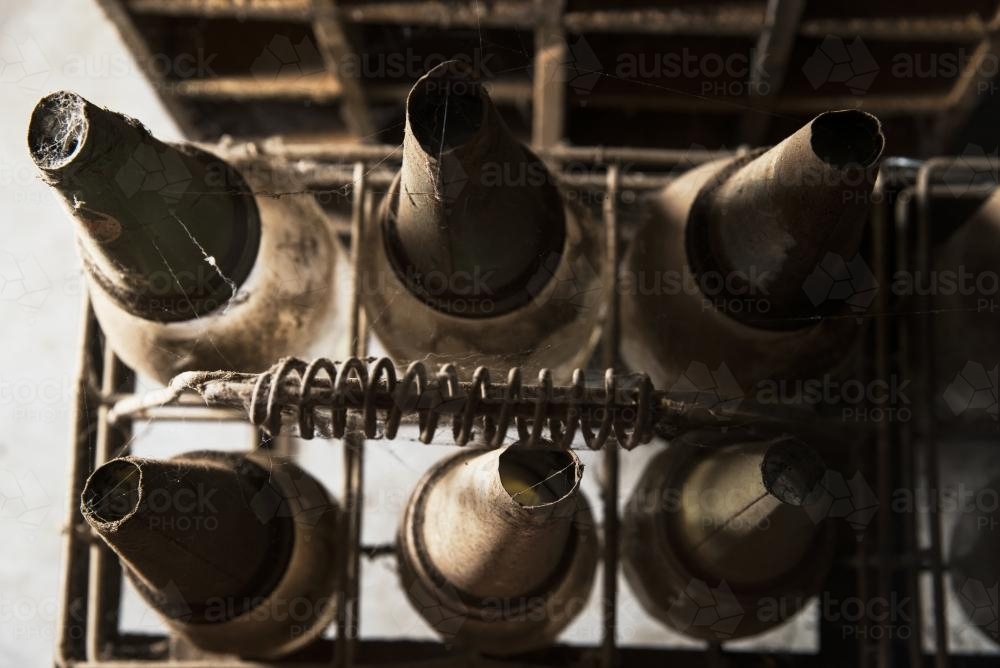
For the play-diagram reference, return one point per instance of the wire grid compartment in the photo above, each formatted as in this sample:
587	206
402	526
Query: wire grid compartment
554	65
866	566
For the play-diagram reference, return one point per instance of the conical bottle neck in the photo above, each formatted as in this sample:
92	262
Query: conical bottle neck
498	525
768	221
742	516
474	214
188	531
169	232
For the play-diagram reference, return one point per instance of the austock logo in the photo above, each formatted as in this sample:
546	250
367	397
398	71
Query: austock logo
875	400
165	602
441	608
150	170
835	61
850	282
22	64
871	617
834	497
974	388
968	169
574	64
576	282
982	605
716	391
453	177
701	605
299	63
293	494
22	280
23	499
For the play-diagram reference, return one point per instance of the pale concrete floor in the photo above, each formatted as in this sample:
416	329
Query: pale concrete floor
42	45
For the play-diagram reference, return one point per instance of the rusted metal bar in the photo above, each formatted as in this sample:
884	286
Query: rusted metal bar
880	349
611	477
249	88
279	401
288	10
926	367
551	59
335	46
477	14
281	147
905	434
118	13
516	92
105	571
977	76
726	20
948	29
774	49
523	14
75	612
512	92
322	177
349	610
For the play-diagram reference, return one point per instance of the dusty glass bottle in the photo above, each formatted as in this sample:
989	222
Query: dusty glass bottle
504	541
188	266
726	518
477	257
220	544
753	262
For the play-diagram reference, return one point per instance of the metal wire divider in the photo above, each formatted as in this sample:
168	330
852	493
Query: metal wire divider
209	104
89	632
919	355
92	574
927	446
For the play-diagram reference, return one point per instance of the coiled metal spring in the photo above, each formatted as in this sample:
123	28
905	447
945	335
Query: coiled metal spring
370	386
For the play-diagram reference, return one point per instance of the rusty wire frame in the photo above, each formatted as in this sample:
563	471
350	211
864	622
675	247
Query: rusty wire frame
89	633
776	25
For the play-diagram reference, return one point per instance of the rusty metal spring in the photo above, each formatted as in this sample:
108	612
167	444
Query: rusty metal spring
381	382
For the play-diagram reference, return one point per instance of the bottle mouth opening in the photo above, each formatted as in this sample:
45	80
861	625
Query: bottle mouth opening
446	108
57	130
847	139
535	478
113	492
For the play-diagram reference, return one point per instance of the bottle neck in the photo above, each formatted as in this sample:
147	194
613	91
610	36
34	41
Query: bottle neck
169	232
474	219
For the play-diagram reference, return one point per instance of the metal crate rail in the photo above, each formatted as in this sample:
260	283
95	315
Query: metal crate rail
105	411
316	398
787	31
